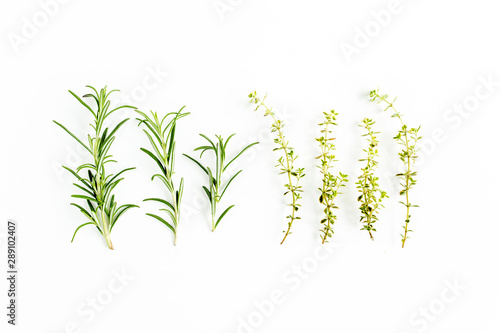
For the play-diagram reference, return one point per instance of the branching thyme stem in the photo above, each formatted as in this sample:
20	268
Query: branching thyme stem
286	163
371	195
331	184
408	139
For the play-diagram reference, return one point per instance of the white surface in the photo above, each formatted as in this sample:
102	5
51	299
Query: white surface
432	55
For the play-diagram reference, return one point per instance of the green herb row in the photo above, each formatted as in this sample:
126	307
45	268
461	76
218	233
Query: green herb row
97	187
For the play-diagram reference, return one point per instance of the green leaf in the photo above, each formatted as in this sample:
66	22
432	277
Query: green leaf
119	212
229	182
162	221
206	138
85	190
222	215
238	155
74	136
171	145
86	165
165	202
153	129
81	227
154	145
180	192
198	163
121	107
117	175
83	103
160	164
207	192
84	211
117	127
227	140
84	197
171	214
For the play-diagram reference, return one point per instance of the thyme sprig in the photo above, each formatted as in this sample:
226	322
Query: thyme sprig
371	195
285	162
161	135
216	189
103	211
408	139
331	184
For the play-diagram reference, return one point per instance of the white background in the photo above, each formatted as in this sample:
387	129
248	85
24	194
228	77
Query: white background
433	55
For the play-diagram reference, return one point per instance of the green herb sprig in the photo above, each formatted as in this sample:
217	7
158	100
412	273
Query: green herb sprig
408	139
161	135
285	162
331	184
215	189
371	195
103	211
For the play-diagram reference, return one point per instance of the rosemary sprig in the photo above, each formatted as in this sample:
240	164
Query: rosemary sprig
331	183
408	139
371	195
285	162
161	135
215	190
103	212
